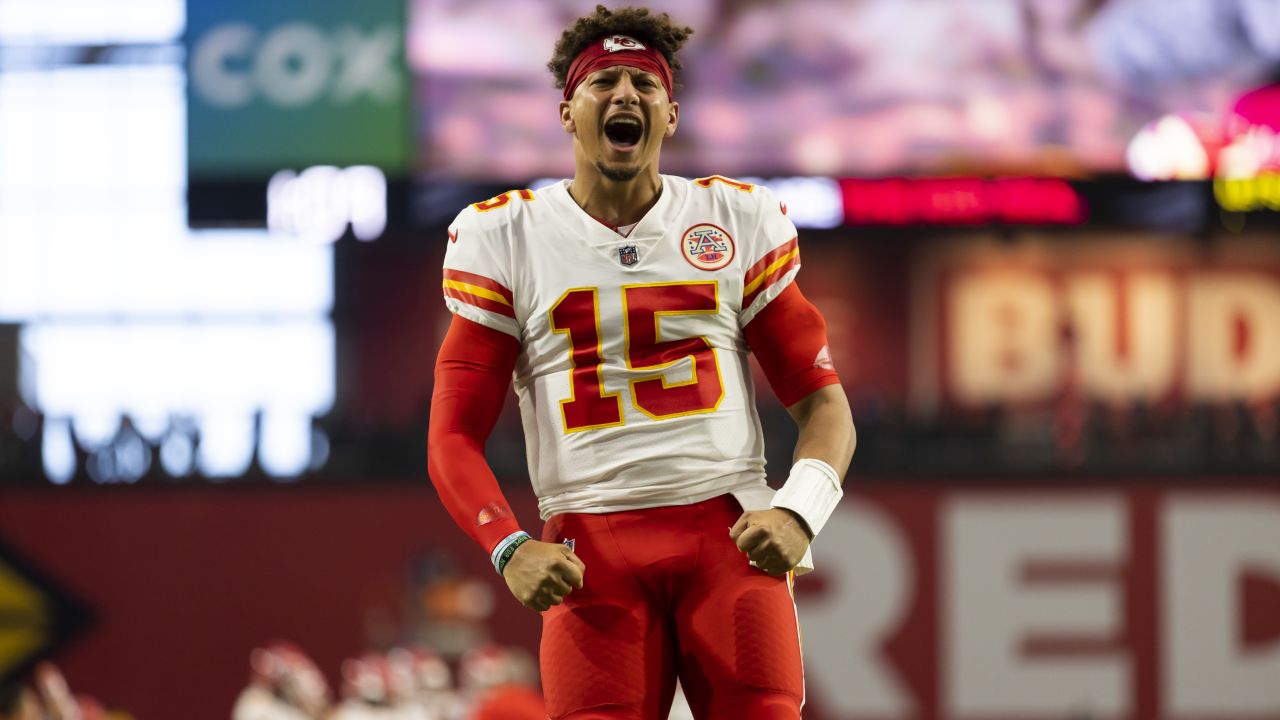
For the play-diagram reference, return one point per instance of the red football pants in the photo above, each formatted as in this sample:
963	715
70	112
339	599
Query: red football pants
667	593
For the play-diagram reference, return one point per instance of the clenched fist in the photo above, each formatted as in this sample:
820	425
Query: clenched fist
540	574
774	539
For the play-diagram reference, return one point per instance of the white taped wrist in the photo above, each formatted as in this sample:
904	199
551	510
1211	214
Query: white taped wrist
496	558
812	491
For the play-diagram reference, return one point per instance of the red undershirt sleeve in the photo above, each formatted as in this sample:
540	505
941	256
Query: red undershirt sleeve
789	339
473	372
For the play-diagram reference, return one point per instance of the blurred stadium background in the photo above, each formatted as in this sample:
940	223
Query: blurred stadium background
1043	232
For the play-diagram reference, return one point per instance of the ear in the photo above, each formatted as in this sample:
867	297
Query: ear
566	117
673	119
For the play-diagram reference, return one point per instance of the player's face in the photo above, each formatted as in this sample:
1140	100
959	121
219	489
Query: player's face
619	117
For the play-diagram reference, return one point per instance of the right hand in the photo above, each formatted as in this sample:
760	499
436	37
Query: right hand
540	574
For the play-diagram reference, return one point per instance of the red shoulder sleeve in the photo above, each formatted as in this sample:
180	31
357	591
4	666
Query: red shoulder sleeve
789	338
473	371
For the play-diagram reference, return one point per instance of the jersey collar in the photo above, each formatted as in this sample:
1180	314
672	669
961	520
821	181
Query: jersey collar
650	228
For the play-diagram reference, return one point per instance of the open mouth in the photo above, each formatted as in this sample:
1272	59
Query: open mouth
624	132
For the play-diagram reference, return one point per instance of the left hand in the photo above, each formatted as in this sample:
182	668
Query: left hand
774	539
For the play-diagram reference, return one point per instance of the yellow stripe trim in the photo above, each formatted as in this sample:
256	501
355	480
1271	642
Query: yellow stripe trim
751	286
476	290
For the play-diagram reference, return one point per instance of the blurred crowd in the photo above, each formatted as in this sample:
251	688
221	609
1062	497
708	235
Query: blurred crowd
486	683
49	697
879	86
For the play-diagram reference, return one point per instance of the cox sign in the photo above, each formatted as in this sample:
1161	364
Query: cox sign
296	64
295	83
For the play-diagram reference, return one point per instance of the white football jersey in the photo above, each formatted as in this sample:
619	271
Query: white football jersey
259	703
633	380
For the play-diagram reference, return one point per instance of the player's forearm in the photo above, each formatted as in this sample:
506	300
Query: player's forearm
467	486
823	450
826	428
473	372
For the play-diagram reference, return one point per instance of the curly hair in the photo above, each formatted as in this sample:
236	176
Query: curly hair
655	31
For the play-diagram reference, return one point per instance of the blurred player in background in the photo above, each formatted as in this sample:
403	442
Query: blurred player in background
51	699
625	301
284	684
373	688
431	682
498	684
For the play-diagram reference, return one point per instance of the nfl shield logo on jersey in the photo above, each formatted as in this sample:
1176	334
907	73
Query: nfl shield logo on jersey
628	255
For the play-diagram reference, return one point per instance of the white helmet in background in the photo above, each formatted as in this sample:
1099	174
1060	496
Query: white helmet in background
290	675
428	671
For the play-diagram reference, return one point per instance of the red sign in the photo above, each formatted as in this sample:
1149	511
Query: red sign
961	201
984	605
931	602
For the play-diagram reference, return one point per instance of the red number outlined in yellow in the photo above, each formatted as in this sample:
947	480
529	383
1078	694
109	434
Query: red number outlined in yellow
498	201
655	397
576	314
590	408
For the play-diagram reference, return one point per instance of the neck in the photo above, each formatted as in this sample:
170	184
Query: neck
617	202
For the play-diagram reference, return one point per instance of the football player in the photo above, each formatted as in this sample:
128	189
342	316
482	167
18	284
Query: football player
624	303
285	684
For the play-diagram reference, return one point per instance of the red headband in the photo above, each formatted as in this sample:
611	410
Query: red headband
617	50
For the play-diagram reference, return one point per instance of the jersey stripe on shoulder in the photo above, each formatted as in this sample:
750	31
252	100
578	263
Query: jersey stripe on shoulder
480	291
775	264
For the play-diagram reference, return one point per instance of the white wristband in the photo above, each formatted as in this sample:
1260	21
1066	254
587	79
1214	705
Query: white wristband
496	556
811	491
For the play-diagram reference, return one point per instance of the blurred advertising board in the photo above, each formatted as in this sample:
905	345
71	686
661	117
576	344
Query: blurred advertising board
1117	318
937	601
961	201
819	202
40	616
967	604
1246	194
293	84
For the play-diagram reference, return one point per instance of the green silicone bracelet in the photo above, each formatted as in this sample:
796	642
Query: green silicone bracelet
509	551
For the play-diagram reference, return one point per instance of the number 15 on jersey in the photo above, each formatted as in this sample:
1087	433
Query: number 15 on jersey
576	314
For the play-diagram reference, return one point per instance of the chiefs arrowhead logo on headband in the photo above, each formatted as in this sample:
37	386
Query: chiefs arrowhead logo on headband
614	43
617	50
